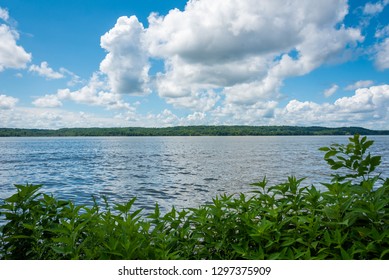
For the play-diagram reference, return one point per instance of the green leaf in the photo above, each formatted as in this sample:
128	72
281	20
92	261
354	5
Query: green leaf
367	145
384	253
344	254
330	154
60	250
28	226
21	237
314	244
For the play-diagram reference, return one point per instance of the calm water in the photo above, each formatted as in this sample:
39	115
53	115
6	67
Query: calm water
180	171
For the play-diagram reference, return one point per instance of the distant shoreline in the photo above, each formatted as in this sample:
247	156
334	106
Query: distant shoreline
192	131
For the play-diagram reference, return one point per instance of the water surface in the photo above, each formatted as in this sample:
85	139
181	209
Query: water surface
180	171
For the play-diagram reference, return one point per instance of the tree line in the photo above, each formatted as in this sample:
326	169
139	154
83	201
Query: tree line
191	131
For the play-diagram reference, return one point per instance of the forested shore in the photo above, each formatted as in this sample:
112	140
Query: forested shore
191	131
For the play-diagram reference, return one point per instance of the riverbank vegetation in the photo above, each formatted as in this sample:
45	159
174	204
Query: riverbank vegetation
349	219
191	131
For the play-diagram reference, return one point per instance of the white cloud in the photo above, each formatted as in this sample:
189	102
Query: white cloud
220	31
196	100
196	117
48	101
45	71
359	84
95	93
7	102
382	55
4	15
259	113
374	8
330	91
11	55
74	79
126	63
53	118
382	33
245	49
166	118
373	99
250	93
368	107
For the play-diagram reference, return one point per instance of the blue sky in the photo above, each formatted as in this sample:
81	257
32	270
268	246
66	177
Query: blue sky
120	63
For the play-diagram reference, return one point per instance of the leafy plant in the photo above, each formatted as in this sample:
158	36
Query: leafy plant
353	158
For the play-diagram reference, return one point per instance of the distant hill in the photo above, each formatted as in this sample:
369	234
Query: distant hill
192	131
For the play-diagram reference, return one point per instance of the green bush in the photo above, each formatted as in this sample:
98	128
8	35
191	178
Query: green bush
348	220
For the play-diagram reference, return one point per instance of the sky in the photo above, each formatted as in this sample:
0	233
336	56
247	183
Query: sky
158	63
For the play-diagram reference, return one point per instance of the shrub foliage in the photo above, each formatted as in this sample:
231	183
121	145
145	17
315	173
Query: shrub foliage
349	219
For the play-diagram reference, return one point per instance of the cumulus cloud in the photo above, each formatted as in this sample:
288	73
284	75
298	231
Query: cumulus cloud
219	31
7	102
374	100
45	71
359	84
330	91
95	93
11	55
241	50
245	47
368	106
126	63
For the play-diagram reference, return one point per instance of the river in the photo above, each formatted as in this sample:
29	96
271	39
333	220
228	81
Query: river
179	171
